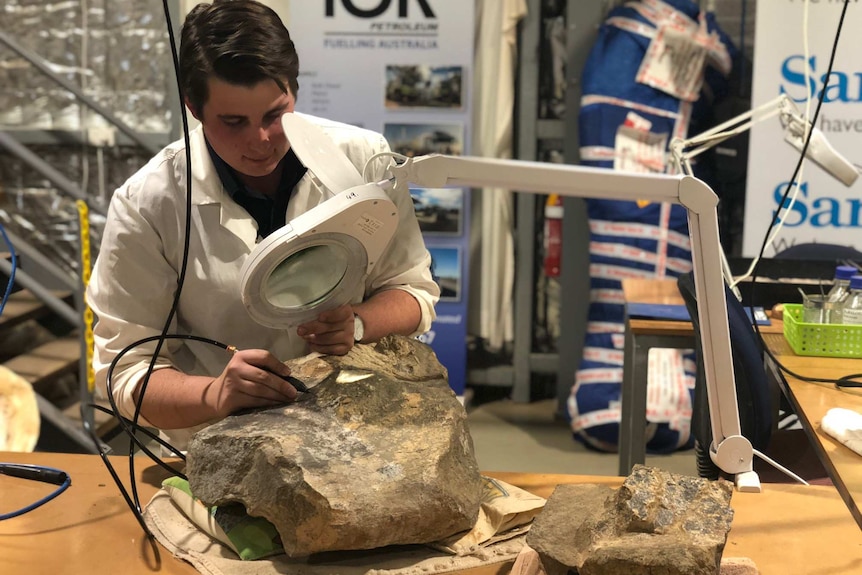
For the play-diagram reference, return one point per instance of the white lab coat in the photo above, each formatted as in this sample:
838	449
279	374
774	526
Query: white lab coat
135	275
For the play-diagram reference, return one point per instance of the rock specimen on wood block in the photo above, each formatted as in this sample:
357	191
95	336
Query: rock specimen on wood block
19	413
378	453
657	522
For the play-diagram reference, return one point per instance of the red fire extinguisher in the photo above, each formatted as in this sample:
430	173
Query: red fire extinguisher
553	243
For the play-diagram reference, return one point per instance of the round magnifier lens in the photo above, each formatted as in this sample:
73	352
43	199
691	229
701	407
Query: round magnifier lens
307	276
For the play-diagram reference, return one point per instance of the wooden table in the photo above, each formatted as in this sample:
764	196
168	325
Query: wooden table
786	530
642	335
811	401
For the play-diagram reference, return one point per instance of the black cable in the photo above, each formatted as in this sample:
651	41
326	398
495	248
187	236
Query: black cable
849	381
145	431
837	382
118	482
130	428
182	274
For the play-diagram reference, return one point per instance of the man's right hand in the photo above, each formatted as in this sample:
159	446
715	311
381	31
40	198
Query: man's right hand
252	378
175	400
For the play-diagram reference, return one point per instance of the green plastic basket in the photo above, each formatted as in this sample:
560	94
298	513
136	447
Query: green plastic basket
820	339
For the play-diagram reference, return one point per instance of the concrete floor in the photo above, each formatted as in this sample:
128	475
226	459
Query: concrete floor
509	436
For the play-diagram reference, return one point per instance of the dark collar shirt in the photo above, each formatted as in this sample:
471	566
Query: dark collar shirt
268	211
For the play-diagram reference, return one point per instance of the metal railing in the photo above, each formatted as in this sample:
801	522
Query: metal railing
43	66
67	187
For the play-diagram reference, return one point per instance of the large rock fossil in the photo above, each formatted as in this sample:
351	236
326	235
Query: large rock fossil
378	453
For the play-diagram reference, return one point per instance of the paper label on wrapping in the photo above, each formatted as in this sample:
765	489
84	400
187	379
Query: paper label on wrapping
637	122
668	399
674	61
367	224
639	151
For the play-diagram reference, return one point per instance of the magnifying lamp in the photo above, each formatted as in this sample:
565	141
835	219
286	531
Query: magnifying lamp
274	291
315	262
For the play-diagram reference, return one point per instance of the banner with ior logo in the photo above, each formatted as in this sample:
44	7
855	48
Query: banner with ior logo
376	62
825	211
402	68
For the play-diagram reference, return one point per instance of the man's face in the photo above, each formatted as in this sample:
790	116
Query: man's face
243	125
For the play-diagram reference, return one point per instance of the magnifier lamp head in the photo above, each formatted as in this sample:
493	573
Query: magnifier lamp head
316	261
819	151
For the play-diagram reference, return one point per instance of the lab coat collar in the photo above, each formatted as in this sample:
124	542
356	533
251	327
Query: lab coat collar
206	185
207	189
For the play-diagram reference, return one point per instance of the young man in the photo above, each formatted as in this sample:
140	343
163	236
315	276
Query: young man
239	74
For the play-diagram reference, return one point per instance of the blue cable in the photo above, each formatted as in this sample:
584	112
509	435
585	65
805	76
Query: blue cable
11	275
37	473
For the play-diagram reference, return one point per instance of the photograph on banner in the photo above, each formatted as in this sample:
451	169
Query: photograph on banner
439	210
423	86
426	138
446	270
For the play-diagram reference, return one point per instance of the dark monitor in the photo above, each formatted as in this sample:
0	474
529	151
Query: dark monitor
806	267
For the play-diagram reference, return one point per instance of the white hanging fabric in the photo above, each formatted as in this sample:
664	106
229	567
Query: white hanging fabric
492	251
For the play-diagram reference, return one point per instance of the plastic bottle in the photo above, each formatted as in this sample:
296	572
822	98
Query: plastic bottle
851	313
841	285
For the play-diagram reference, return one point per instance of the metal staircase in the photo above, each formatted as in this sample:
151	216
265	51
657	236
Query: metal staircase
45	350
49	300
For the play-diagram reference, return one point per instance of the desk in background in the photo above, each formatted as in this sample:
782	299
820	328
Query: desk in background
641	335
811	401
787	529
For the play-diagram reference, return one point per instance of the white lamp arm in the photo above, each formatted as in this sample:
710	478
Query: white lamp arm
795	127
683	150
437	170
731	451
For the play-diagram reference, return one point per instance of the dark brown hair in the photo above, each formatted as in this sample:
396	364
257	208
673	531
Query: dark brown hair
240	42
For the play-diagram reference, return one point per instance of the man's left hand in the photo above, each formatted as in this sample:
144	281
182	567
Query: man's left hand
331	333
